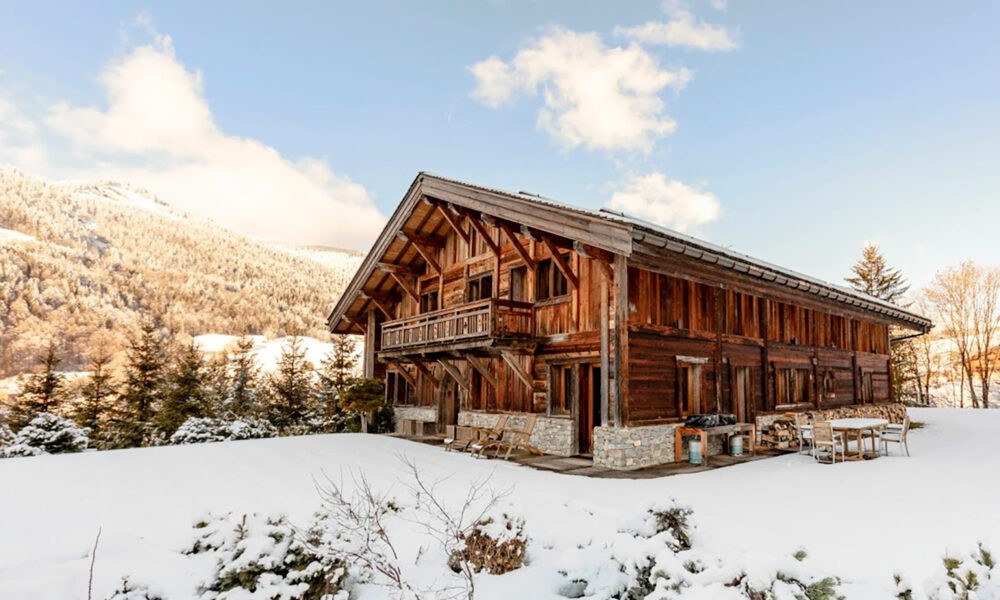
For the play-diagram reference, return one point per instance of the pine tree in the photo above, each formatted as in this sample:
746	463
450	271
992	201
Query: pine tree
873	276
42	392
96	395
244	379
364	396
335	373
291	386
185	395
143	388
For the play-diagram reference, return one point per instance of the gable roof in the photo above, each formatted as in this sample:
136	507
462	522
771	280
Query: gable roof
612	231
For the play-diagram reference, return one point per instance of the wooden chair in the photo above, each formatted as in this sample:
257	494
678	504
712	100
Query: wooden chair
804	429
484	436
896	434
515	439
825	438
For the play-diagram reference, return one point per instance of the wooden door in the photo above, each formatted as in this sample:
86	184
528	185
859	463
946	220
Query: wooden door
588	406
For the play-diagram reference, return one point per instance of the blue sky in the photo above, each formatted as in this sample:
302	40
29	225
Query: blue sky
795	132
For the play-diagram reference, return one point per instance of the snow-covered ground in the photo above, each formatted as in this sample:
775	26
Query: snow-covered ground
10	235
860	521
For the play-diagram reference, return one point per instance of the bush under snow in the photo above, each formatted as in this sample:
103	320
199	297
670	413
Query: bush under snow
47	434
200	430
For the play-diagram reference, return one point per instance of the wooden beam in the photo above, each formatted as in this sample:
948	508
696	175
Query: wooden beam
561	263
427	373
370	333
477	224
483	370
404	282
528	233
619	341
424	251
518	247
384	303
453	219
515	366
354	323
410	379
455	374
602	258
397	269
423	240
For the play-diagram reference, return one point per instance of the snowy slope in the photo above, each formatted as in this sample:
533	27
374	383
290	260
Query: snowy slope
11	236
862	521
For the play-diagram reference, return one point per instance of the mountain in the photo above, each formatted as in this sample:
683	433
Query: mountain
85	261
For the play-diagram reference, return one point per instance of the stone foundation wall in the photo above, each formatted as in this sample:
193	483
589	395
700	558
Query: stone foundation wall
638	447
552	435
427	414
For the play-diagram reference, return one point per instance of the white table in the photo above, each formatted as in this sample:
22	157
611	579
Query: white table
859	426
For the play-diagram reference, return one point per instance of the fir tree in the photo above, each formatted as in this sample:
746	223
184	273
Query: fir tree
42	392
185	395
335	373
364	396
143	388
873	276
291	386
244	379
97	394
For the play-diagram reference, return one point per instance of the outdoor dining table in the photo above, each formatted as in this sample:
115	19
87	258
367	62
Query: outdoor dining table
858	427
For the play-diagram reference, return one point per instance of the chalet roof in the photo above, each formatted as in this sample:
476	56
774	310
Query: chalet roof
613	231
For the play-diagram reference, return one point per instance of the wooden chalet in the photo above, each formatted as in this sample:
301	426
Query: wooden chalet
475	302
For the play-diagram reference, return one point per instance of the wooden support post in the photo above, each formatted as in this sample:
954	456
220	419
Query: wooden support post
765	359
384	303
717	355
453	219
515	366
619	340
483	370
605	357
404	283
477	224
426	251
370	332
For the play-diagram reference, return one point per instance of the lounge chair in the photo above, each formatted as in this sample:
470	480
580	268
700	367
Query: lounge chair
804	429
514	439
480	436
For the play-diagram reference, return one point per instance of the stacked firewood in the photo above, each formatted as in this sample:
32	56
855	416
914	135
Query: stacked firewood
781	433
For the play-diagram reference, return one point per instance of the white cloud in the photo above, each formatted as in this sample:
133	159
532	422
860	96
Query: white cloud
681	30
158	131
595	96
665	201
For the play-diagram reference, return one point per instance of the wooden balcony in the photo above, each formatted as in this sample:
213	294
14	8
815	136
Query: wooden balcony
491	322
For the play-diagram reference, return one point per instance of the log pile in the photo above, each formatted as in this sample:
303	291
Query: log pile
781	433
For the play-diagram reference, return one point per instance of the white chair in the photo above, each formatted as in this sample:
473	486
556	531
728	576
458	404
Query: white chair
896	434
804	429
824	438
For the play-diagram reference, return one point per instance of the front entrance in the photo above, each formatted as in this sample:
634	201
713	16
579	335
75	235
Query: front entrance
588	406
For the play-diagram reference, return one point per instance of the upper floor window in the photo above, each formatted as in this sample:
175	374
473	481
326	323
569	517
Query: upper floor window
479	288
549	281
518	284
428	301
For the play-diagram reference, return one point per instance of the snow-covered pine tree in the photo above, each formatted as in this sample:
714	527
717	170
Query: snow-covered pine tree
244	379
96	395
185	394
291	386
873	276
41	392
143	389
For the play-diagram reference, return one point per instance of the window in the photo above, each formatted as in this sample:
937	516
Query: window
518	284
428	301
479	288
689	387
397	389
550	281
829	386
792	386
560	389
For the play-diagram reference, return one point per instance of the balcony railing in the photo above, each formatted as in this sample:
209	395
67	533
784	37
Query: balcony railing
484	320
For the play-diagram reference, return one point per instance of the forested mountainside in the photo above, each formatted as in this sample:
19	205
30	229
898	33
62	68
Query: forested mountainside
80	259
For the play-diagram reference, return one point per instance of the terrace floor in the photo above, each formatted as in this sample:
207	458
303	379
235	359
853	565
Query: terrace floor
584	466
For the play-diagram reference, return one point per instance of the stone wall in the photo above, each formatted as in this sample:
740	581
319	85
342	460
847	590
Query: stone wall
638	447
426	414
551	435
